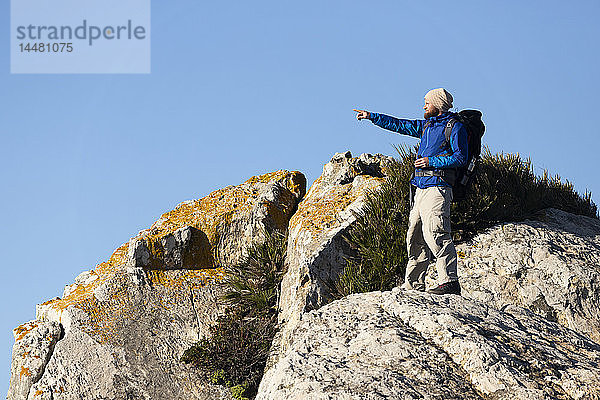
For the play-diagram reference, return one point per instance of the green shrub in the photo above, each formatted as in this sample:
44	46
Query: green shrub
235	351
506	189
253	284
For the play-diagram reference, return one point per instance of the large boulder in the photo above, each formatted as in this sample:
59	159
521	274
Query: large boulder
316	248
413	345
124	326
550	266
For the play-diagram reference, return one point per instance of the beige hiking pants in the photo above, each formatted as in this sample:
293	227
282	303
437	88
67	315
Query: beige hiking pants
429	235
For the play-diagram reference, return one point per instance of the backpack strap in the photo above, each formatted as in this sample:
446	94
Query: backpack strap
447	132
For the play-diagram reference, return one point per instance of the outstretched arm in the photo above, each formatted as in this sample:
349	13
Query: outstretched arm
408	127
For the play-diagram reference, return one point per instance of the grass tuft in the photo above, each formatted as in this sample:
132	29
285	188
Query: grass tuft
235	351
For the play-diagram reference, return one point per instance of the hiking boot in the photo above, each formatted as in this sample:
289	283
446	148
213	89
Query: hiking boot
451	287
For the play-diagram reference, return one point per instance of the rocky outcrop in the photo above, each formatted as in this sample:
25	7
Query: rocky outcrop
216	229
527	326
34	344
124	325
316	248
412	345
550	266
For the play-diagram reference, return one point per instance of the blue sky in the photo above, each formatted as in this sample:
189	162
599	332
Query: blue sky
244	88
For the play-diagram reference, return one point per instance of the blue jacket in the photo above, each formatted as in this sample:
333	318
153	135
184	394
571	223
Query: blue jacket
431	142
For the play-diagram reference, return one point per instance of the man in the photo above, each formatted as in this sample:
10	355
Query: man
435	168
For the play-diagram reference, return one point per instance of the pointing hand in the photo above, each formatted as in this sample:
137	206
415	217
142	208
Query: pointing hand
362	114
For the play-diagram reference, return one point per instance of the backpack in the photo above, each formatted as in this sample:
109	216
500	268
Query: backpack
471	119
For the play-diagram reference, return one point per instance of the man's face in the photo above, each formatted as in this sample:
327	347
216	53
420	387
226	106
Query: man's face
430	110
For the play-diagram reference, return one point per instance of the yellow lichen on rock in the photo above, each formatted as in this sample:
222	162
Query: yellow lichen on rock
22	330
318	212
25	371
214	213
294	181
207	212
316	236
106	317
195	278
103	270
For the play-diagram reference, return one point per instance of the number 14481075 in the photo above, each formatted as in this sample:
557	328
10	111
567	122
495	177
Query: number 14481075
46	47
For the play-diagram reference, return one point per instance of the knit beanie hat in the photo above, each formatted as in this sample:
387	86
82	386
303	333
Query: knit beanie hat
440	98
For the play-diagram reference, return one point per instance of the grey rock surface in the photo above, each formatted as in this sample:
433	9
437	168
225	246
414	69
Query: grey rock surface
127	345
34	344
316	249
412	345
551	267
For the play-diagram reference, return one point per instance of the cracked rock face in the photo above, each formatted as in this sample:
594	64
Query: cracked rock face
551	267
124	326
412	345
316	249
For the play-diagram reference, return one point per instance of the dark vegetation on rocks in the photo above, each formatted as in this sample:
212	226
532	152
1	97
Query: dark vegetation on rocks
235	352
506	189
